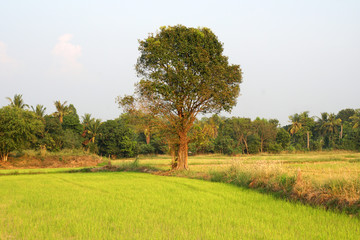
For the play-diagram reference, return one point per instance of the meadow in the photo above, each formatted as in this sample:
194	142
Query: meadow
119	205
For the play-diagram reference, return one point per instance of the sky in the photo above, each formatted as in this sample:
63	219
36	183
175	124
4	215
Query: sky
295	55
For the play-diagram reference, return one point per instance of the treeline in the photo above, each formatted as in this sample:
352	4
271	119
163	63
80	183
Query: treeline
305	133
135	132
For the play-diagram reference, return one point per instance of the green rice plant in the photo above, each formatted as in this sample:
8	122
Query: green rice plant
113	205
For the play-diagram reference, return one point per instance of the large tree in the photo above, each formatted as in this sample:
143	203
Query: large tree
184	73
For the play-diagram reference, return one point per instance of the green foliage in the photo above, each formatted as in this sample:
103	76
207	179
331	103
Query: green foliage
283	138
187	64
117	139
275	148
146	149
253	144
71	120
18	128
52	138
39	110
71	139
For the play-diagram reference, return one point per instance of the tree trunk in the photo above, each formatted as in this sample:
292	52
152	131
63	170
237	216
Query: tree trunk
147	138
341	132
174	155
4	157
147	135
182	163
246	146
261	145
308	139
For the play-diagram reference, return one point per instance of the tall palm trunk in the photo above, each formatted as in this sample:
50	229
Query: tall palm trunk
308	139
341	131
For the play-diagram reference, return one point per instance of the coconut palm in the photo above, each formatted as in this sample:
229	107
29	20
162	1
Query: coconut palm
17	101
307	122
331	126
61	110
39	110
296	125
93	129
355	119
86	119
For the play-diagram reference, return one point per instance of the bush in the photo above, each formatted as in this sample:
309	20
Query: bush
117	139
275	147
71	140
146	149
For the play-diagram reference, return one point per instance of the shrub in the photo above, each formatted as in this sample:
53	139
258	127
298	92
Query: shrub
274	147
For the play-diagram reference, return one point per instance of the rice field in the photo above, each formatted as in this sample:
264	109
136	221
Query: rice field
315	166
118	205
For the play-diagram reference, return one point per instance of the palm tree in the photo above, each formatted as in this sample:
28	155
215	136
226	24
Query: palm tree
86	119
356	119
296	125
39	110
17	101
331	125
93	129
307	123
61	110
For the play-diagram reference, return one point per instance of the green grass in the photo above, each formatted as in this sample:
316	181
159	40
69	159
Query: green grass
143	206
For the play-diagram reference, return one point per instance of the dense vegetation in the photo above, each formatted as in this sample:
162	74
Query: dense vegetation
134	133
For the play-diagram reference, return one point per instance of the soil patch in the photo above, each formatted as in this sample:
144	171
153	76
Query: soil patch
51	162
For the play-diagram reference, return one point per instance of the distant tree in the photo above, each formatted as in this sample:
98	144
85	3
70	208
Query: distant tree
331	126
185	73
355	119
17	101
86	119
266	131
295	123
202	134
307	123
18	128
242	129
93	129
61	110
283	138
53	137
39	110
71	120
346	114
116	139
138	115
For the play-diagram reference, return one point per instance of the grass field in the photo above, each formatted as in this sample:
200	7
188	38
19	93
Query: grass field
143	206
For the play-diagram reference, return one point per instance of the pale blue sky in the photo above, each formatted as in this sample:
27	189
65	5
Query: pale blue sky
295	55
